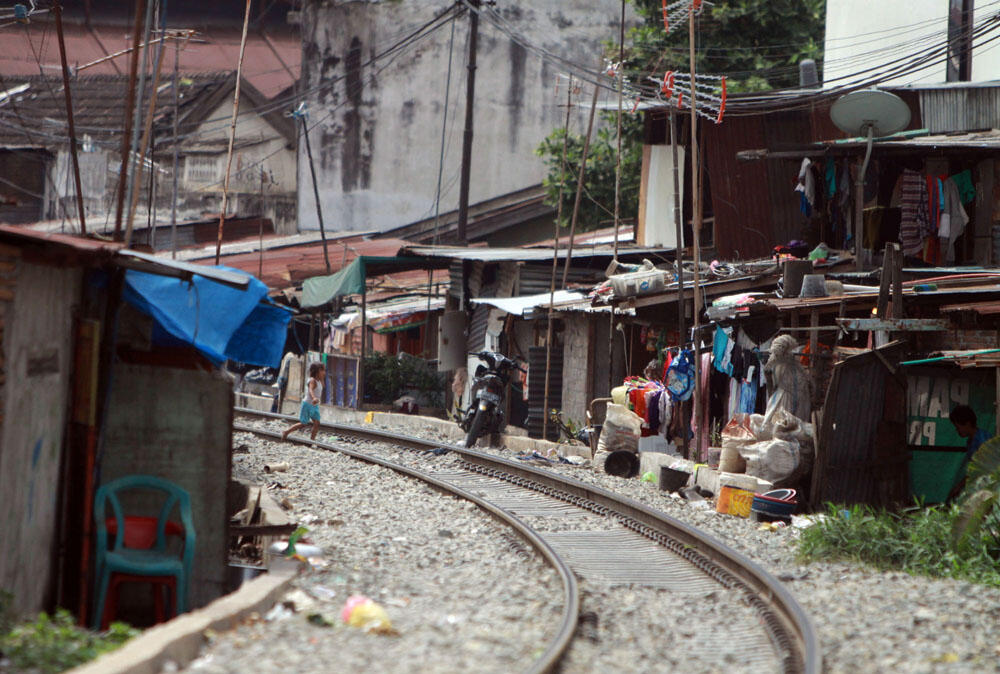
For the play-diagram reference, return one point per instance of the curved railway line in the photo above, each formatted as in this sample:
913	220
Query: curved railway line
636	545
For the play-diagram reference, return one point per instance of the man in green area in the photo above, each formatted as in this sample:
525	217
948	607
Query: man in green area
964	419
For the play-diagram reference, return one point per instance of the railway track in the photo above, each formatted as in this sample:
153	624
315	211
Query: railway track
630	545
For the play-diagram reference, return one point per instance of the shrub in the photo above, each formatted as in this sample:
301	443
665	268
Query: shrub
55	644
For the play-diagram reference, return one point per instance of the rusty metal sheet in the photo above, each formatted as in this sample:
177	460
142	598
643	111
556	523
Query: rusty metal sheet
862	454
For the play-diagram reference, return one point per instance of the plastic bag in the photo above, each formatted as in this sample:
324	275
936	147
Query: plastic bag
772	460
621	430
680	376
360	611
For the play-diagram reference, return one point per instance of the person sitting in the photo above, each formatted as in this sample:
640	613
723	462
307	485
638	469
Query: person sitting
964	419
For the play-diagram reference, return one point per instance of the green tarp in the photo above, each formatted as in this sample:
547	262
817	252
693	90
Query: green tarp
350	280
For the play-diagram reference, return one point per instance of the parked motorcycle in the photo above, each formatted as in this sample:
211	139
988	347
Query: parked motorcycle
486	412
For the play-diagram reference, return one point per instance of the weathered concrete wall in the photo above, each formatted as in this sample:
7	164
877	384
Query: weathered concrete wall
176	424
36	325
377	134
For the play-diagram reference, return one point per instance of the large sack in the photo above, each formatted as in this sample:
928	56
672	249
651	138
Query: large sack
621	430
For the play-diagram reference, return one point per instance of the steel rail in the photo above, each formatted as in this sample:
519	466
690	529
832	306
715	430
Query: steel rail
550	657
791	630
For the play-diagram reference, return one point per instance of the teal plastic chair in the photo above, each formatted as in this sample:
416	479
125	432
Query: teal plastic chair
153	562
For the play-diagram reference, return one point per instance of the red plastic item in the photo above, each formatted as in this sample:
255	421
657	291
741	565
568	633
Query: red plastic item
140	534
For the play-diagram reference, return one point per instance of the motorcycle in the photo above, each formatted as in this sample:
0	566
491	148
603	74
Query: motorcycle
485	413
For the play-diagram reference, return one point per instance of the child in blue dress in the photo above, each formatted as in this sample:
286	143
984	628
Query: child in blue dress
309	412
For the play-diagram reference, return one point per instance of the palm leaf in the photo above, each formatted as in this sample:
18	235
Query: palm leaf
972	514
986	460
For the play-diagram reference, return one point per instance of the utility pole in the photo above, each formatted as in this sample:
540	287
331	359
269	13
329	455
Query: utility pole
173	198
470	98
319	208
57	10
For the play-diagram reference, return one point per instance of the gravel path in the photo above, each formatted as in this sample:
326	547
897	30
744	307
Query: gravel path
417	552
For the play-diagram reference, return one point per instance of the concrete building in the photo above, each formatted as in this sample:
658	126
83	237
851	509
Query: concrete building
377	122
36	166
878	37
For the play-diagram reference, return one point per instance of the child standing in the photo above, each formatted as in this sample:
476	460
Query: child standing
309	412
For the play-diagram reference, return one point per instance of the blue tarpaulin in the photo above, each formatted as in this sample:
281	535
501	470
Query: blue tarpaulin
220	321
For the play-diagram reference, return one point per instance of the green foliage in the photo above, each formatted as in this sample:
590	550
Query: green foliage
388	377
918	541
979	503
55	644
758	44
598	200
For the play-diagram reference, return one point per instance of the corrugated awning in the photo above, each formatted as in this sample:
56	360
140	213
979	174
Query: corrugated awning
519	306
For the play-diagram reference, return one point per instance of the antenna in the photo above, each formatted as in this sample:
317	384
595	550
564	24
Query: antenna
872	113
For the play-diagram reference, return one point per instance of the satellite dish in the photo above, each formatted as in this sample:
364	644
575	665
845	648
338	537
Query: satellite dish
871	113
870	110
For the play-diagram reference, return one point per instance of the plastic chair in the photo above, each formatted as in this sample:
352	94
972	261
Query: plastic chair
138	563
140	533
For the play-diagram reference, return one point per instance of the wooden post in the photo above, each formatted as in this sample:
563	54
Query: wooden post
815	360
147	130
470	100
696	236
232	131
579	186
57	10
555	262
678	255
364	345
140	6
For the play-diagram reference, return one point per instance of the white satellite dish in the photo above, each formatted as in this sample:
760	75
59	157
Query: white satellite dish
872	113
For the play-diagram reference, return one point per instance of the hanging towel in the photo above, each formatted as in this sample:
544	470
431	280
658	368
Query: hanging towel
966	189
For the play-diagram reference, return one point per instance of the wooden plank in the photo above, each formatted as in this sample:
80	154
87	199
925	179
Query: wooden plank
895	324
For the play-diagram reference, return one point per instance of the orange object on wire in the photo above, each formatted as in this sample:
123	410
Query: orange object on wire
722	105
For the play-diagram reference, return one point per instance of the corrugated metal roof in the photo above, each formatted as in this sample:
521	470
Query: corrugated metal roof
960	109
527	254
521	305
216	48
284	267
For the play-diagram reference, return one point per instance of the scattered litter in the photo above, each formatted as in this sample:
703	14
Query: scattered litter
772	526
323	592
575	460
298	601
648	476
278	612
361	612
286	503
280	467
321	619
804	521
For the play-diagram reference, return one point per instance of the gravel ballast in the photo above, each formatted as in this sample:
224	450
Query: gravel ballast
867	621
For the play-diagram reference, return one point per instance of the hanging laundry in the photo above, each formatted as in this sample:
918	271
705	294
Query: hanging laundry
953	219
806	187
722	350
966	189
914	222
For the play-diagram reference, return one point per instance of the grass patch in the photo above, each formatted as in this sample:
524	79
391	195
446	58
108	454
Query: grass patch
918	541
55	644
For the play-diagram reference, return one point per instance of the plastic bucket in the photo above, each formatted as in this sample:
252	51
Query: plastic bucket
672	479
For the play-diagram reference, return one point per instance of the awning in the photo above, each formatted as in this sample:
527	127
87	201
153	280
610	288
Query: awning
219	320
350	280
519	306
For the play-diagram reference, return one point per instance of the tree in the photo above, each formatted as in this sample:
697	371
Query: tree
757	44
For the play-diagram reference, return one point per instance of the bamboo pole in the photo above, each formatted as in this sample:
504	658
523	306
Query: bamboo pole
140	6
143	145
696	243
579	185
57	10
232	132
555	262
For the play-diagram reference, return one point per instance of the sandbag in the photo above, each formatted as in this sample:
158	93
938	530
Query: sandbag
772	460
